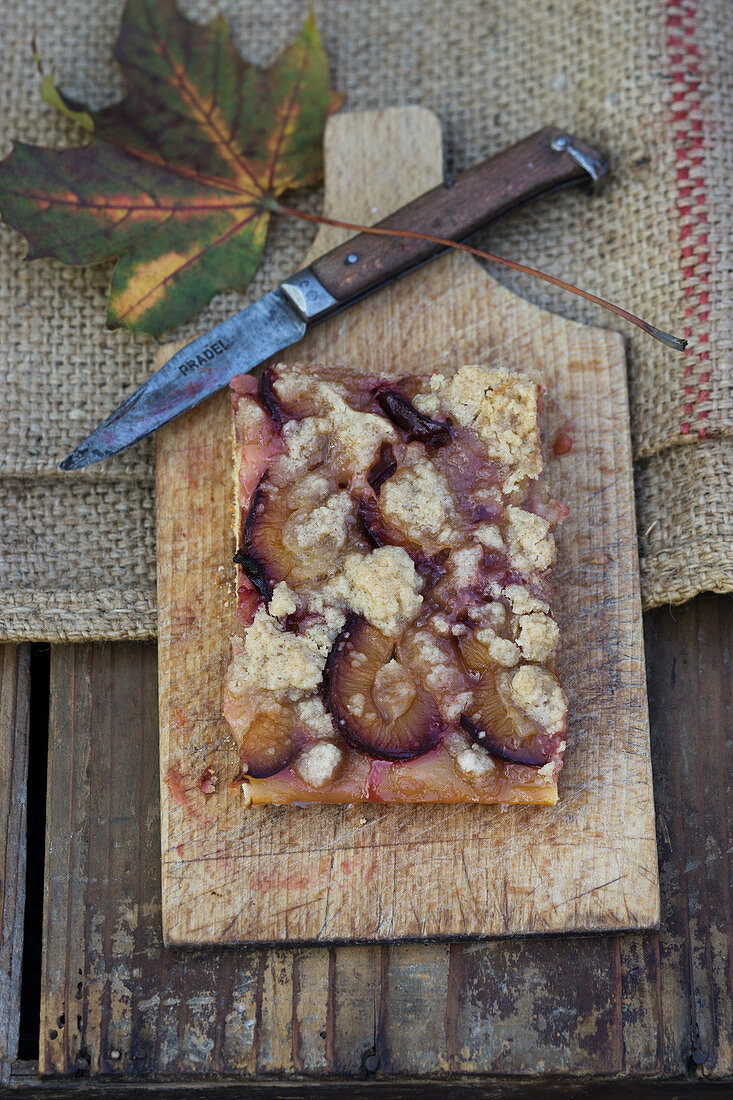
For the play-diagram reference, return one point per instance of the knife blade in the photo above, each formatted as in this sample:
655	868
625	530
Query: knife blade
546	161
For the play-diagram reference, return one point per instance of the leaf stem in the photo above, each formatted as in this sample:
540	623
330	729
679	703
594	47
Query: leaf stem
658	334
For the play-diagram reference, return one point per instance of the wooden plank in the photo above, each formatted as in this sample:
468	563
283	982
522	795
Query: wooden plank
641	1002
234	875
412	1036
691	701
357	996
14	703
312	1018
531	1007
369	1089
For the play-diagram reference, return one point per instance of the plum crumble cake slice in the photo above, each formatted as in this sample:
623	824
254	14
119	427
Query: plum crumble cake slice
395	641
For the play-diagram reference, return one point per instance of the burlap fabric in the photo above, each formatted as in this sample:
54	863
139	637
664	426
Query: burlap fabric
643	80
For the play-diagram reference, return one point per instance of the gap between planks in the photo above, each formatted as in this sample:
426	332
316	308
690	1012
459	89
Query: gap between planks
14	715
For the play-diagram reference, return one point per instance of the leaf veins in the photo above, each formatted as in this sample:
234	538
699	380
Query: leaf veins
178	178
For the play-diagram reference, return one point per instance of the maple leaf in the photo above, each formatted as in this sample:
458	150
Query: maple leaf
179	178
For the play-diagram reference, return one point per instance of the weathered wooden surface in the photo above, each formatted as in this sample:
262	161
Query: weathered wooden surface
691	701
386	872
370	1089
652	1005
14	699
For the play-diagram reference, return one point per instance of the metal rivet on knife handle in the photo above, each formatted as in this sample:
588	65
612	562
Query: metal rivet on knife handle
583	155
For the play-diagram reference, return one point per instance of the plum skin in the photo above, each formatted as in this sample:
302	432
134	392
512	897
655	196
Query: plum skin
254	571
382	468
268	397
531	756
400	410
421	738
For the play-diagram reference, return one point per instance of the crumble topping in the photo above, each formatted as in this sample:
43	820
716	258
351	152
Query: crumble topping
274	659
306	443
314	716
538	636
355	704
522	602
311	489
440	624
436	664
453	706
434	659
465	565
488	534
394	690
282	601
492	614
317	765
531	545
501	408
354	436
501	650
295	383
322	527
382	586
538	693
417	499
473	762
249	415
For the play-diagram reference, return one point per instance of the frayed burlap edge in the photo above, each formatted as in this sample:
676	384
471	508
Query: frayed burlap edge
99	615
685	547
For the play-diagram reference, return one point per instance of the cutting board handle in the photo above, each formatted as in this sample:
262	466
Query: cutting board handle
543	162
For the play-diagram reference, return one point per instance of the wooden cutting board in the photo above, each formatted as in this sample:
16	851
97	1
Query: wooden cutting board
267	874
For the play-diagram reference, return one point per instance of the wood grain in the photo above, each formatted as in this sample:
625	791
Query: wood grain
99	818
385	872
637	1006
14	698
691	693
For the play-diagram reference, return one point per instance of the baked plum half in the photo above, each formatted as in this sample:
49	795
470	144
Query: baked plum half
292	534
375	696
296	407
380	532
401	528
263	555
267	732
255	572
268	397
494	720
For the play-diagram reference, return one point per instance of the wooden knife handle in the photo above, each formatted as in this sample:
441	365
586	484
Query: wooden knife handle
543	162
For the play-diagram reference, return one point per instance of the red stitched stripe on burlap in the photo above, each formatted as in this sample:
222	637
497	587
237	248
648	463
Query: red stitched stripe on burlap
684	60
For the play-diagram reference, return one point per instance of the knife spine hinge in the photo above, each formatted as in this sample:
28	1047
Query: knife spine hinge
308	295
